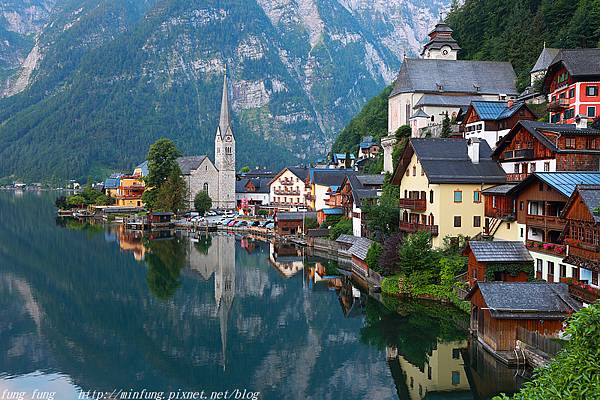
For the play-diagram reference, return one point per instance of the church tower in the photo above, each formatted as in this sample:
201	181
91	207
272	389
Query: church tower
441	45
225	155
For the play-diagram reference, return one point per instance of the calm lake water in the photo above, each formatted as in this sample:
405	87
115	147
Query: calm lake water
87	308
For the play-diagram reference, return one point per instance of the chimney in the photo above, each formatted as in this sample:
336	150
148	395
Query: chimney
581	122
510	103
473	150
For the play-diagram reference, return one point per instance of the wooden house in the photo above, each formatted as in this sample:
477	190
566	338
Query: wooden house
582	232
498	309
292	223
533	146
498	261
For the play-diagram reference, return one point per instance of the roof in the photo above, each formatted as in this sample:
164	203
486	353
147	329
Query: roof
111	183
190	163
447	161
360	248
527	300
500	189
441	36
329	177
332	211
562	182
446	100
346	239
367	142
419	114
144	167
579	62
455	76
261	185
342	156
296	216
500	251
299	171
371	180
496	110
545	59
590	194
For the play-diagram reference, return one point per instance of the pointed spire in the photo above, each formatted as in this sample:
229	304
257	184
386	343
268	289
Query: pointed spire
224	120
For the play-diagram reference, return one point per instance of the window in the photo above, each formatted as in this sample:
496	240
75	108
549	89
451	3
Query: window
456	354
570	143
563	270
227	150
431	196
206	187
591	112
521	205
455	378
550	268
429	372
539	265
457	221
476	196
591	91
547	166
532	167
521	233
458	196
571	93
508	227
407	172
493	201
517	168
476	221
414	170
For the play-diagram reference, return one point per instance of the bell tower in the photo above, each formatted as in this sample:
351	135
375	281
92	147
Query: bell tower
441	45
225	154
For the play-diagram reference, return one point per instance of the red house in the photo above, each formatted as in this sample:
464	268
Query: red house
572	83
498	261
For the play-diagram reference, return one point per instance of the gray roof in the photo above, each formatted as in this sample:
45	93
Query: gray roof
579	62
346	239
447	161
190	163
590	194
527	300
500	251
446	100
371	180
330	177
545	59
500	189
360	248
455	76
296	216
419	114
261	184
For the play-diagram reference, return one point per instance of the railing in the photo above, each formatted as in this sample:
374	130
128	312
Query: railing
558	104
414	227
413	204
500	213
582	291
549	248
548	344
518	154
516	177
286	182
288	192
546	221
586	251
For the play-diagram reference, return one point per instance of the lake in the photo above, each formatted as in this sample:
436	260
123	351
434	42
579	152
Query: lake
90	311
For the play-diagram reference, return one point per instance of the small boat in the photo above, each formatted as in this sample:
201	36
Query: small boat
65	213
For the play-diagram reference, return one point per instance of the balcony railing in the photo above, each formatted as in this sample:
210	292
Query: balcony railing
548	248
546	221
516	177
518	154
412	227
558	105
413	204
583	250
287	192
286	182
581	290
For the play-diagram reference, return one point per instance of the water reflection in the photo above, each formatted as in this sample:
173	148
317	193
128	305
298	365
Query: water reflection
105	309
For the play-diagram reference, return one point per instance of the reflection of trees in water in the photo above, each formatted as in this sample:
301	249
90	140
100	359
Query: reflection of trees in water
203	244
413	327
77	225
165	261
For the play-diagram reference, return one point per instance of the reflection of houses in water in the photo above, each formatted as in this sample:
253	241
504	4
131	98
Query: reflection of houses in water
317	276
352	300
288	259
131	241
443	371
488	376
217	257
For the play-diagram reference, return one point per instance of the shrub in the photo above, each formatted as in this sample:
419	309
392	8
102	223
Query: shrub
390	258
373	256
416	254
343	227
391	285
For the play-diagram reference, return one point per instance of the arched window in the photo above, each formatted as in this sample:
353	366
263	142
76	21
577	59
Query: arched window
206	187
431	196
228	150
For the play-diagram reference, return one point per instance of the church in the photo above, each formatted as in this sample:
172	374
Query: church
217	179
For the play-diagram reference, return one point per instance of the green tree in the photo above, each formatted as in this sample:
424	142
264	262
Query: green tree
163	167
446	126
172	193
343	227
383	218
373	256
310	223
76	201
202	202
403	132
245	169
165	260
573	374
416	254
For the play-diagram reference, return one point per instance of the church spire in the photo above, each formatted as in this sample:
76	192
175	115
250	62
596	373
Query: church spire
225	120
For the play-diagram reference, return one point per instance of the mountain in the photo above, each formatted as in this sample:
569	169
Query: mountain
105	78
496	30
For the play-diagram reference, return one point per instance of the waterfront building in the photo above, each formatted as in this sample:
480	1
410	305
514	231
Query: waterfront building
111	185
292	223
343	160
251	193
499	309
130	191
439	85
572	83
356	192
217	179
492	120
538	146
323	184
289	189
497	261
441	181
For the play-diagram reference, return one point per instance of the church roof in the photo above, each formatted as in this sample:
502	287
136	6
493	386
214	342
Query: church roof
545	59
190	163
224	119
455	76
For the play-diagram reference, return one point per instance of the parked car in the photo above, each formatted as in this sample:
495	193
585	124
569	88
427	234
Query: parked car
255	223
232	223
240	224
270	225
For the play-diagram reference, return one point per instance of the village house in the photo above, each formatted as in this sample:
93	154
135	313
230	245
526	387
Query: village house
492	120
538	146
356	192
130	187
440	182
572	83
343	160
358	253
252	193
367	148
323	184
438	85
504	261
292	223
500	309
533	93
289	190
331	214
111	185
582	232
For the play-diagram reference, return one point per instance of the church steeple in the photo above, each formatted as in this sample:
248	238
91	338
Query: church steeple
441	44
224	120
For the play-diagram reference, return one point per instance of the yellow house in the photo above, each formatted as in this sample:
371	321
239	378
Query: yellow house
441	181
131	187
322	182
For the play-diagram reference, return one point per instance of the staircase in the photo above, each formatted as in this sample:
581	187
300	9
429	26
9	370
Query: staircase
491	229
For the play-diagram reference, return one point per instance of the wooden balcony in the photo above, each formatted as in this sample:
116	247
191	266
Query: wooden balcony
286	182
583	250
518	154
514	177
288	192
419	205
548	248
558	105
411	227
545	221
584	292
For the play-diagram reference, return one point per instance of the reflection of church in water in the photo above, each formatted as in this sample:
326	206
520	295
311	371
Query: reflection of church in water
219	260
